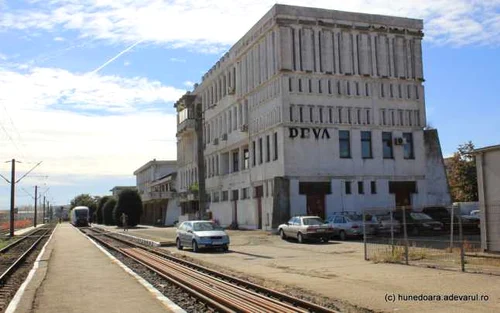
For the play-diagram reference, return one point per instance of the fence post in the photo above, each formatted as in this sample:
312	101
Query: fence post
461	239
451	227
392	233
405	234
364	235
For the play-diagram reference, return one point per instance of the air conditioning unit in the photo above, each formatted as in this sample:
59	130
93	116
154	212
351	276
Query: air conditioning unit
231	90
216	141
244	128
399	141
224	137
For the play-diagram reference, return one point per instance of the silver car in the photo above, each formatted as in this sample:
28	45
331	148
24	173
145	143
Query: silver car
350	225
201	234
385	225
306	227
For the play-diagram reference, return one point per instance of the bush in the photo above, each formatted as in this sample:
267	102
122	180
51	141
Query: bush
107	211
99	210
130	203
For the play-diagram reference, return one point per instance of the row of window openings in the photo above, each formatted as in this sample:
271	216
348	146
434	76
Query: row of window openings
361	187
220	88
366	145
214	166
359	118
355	88
189	177
245	192
233	119
408	117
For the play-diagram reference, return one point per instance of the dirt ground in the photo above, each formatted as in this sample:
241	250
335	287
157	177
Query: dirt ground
338	271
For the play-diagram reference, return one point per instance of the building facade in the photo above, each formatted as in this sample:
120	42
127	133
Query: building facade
313	112
488	183
157	187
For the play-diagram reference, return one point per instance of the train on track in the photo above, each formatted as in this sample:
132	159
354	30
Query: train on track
80	216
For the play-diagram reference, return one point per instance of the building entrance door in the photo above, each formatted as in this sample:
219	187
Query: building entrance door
316	205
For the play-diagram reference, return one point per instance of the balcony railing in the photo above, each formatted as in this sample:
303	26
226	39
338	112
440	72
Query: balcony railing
187	124
157	195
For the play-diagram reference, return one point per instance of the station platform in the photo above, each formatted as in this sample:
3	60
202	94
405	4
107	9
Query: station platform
74	275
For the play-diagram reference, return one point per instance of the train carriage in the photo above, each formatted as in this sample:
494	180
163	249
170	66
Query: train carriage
80	216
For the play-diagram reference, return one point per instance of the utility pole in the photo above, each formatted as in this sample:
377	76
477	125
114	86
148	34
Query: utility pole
12	196
43	215
36	200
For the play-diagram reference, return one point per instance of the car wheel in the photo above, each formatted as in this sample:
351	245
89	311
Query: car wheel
325	239
225	248
178	243
282	234
195	246
415	231
342	235
300	238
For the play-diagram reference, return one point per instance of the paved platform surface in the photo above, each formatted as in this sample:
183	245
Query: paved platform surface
75	276
337	270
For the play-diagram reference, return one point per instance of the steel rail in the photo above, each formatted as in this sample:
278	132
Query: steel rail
15	243
208	290
276	301
193	292
19	260
266	291
235	290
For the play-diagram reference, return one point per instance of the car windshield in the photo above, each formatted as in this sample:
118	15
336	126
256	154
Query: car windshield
313	221
420	216
355	217
205	226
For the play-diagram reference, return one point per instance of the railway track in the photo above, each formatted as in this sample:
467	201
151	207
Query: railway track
14	263
219	291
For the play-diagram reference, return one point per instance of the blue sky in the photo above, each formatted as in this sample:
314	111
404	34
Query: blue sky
62	103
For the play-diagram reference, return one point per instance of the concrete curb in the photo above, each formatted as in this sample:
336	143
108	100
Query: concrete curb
147	242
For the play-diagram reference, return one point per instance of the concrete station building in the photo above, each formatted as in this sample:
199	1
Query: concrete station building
313	111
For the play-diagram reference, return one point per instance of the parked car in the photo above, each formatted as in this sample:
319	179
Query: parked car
418	223
201	234
306	227
443	215
350	225
385	224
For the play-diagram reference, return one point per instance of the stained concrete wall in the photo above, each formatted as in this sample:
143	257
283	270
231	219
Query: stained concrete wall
436	181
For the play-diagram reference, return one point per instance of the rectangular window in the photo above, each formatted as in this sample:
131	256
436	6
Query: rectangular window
330	115
348	84
382	91
321	115
291	114
225	196
300	85
344	144
347	187
320	87
275	142
391	90
357	89
329	87
254	158
290	84
367	90
366	144
368	117
301	114
408	147
310	86
268	149
236	157
373	187
244	193
361	188
387	145
235	195
246	155
311	119
340	115
260	151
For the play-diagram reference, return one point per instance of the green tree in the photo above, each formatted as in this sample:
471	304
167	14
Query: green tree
462	174
130	203
107	211
99	211
85	200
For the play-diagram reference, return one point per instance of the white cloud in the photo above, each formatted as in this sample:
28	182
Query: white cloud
70	142
59	39
188	83
3	57
126	63
212	26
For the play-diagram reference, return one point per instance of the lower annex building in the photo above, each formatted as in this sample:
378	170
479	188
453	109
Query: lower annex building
313	111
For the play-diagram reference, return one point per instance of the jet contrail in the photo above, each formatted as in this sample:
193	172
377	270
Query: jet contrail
115	57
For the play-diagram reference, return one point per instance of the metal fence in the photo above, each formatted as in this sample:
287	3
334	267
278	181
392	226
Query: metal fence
455	247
